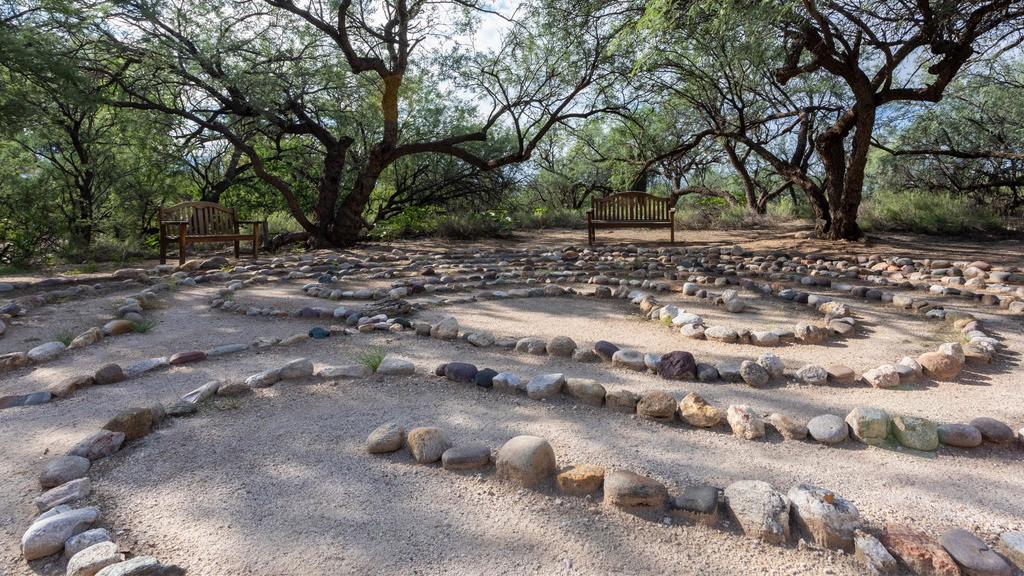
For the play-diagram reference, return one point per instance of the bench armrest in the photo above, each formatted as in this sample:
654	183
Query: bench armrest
250	222
162	222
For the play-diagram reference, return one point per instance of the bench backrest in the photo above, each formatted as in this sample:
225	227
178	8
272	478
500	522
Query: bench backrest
631	207
204	218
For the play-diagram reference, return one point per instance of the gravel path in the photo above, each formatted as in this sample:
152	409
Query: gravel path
277	482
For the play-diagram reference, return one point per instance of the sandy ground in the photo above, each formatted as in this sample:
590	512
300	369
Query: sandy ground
277	482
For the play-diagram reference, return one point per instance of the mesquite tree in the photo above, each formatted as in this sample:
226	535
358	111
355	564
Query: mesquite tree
346	83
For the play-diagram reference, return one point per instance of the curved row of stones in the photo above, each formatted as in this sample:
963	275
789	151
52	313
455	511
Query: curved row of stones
822	517
826	519
129	318
944	364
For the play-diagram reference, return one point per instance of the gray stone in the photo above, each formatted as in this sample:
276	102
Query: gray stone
98	445
460	371
753	374
481	339
772	364
605	349
507	382
872	554
544	386
586	356
526	460
562	346
972	554
813	375
387	437
347	371
828	519
62	470
298	368
46	352
446	329
46	536
93	559
959	435
1011	544
395	367
721	334
140	566
827	429
202	393
80	542
264	379
466	457
64	494
630	359
993	430
698	500
760	511
707	372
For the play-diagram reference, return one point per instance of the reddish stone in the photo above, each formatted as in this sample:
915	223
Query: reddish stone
919	551
187	357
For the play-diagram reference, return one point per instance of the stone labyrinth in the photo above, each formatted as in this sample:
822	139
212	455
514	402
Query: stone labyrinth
691	344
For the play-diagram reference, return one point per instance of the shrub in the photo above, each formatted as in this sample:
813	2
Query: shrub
544	217
281	222
64	337
372	357
143	327
471	226
926	213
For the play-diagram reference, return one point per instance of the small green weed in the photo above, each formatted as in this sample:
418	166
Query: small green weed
143	327
372	357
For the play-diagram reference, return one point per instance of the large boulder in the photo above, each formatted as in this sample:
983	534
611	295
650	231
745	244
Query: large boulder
526	460
825	517
629	490
760	510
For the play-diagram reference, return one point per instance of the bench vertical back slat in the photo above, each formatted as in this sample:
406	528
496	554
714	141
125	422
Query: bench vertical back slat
631	207
203	218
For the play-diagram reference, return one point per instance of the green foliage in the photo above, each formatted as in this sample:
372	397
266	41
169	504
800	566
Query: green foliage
64	337
144	326
544	217
487	224
926	213
372	357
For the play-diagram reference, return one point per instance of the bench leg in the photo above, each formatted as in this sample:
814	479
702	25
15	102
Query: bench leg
181	245
163	246
255	241
237	253
672	233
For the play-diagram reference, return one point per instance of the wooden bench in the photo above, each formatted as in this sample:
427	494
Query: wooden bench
196	222
631	210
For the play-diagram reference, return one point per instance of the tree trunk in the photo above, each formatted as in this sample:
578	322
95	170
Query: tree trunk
347	224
